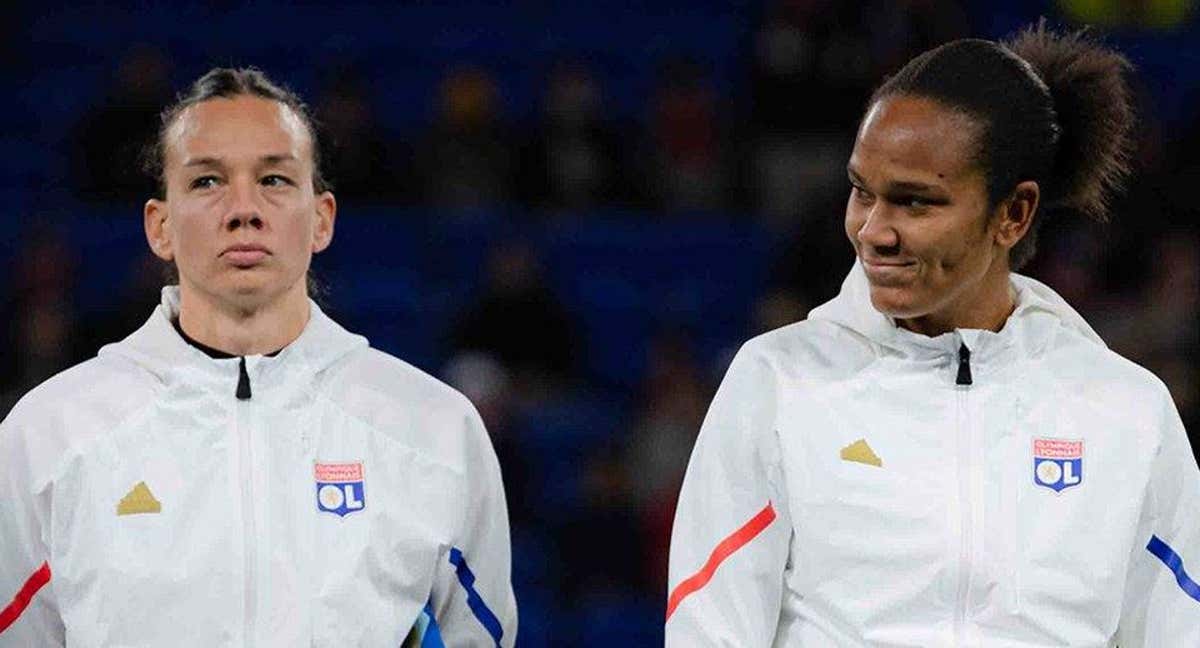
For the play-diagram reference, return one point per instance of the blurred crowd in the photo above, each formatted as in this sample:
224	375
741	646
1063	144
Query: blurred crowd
592	468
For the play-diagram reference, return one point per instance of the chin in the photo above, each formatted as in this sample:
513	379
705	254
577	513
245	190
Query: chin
249	290
897	303
247	282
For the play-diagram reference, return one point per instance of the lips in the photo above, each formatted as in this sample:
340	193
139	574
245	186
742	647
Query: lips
887	272
888	264
245	255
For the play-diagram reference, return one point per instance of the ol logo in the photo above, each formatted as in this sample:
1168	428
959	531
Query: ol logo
1057	463
340	487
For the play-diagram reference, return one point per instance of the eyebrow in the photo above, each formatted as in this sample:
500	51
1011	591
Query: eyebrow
903	185
912	186
274	158
279	157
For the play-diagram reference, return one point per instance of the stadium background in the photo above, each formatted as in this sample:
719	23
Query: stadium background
574	212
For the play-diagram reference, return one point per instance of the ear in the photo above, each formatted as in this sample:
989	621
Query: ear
326	215
1015	214
158	235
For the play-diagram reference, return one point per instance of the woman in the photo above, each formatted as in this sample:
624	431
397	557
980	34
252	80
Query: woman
242	471
946	454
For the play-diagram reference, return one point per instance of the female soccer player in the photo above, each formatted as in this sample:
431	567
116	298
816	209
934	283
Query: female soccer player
946	454
242	471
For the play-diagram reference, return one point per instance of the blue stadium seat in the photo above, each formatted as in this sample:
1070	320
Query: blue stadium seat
628	278
619	621
557	437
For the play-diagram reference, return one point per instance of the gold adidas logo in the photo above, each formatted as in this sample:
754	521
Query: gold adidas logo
860	452
139	500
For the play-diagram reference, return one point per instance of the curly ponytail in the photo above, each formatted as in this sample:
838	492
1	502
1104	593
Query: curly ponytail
1092	102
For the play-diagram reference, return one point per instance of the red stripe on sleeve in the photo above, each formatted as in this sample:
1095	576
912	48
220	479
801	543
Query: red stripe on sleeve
725	549
10	613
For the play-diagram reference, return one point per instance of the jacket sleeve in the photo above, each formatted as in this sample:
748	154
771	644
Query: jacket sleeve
730	541
28	612
473	602
1161	605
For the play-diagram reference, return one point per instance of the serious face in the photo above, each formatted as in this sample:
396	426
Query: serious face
240	220
918	214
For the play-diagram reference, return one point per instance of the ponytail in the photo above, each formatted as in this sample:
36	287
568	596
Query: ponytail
1091	101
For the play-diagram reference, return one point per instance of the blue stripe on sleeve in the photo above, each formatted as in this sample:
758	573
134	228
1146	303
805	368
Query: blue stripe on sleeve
1175	564
474	601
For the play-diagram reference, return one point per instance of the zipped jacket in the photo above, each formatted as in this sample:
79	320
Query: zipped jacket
328	495
856	484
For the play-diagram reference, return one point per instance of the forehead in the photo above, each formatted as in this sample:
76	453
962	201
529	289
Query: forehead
241	127
913	138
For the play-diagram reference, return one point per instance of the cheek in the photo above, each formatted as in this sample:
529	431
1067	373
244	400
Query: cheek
959	255
962	253
300	232
188	237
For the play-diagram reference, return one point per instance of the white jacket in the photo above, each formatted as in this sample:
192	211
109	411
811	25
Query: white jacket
351	500
847	490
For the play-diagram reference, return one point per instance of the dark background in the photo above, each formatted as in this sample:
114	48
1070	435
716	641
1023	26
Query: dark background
574	212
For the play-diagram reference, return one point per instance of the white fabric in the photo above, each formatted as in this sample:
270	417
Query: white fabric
239	554
949	542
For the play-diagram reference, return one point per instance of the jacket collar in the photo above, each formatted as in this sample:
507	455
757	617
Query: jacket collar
159	348
1039	315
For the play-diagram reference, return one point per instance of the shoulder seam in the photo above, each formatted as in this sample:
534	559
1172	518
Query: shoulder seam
427	456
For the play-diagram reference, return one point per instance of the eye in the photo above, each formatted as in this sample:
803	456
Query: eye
276	180
861	195
205	182
915	203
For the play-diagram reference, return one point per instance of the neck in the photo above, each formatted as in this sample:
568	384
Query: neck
239	329
986	308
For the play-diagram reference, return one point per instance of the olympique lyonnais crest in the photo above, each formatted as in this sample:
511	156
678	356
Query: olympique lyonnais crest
340	487
1057	463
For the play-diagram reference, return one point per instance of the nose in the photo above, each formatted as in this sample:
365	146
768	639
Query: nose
244	210
878	231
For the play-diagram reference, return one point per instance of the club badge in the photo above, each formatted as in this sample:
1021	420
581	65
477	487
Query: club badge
1057	463
340	487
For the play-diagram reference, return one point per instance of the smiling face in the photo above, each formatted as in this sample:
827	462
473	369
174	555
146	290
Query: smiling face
240	219
934	253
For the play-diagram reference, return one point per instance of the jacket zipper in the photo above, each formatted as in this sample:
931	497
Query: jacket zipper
246	447
964	366
963	382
